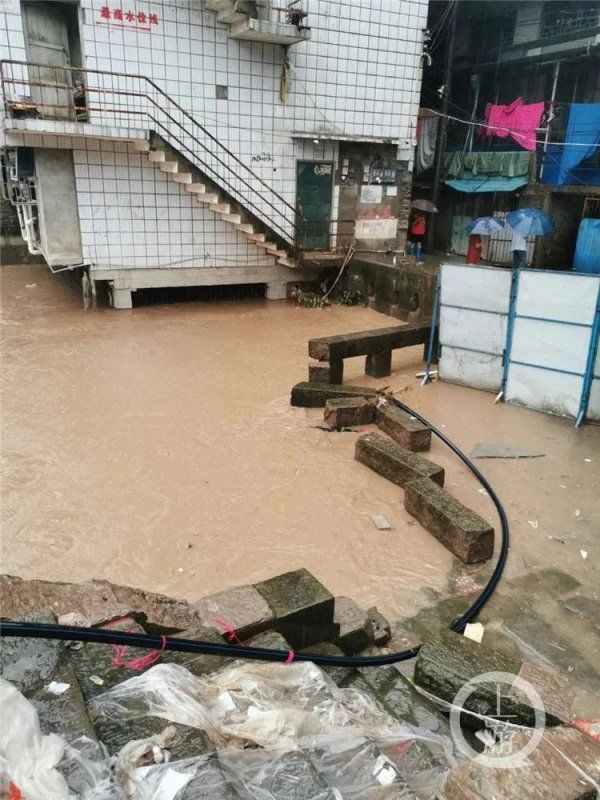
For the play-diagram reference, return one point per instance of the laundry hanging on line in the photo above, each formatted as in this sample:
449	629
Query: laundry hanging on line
519	121
426	140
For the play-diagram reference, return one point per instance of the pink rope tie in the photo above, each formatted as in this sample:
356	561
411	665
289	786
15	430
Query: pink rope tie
120	650
232	636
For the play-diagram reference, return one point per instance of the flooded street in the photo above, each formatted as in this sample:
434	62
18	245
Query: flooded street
157	448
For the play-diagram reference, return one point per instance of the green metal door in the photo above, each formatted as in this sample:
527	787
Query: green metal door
314	184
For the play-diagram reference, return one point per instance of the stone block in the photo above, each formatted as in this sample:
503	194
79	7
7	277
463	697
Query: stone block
241	607
467	535
315	395
346	412
402	700
379	365
403	429
319	372
339	675
394	462
302	607
546	773
447	661
356	629
382	630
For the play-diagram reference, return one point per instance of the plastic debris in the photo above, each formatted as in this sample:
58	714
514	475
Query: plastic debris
583	554
563	537
381	522
533	523
97	680
54	687
27	756
483	450
474	631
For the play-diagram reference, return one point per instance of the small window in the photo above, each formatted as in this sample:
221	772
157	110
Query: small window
222	93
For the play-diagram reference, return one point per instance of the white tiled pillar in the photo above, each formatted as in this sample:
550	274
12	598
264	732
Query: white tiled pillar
122	298
277	290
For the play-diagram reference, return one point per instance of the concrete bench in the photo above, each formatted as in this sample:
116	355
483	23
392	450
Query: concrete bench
376	345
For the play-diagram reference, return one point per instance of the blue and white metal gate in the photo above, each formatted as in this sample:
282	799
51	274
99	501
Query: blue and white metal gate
532	334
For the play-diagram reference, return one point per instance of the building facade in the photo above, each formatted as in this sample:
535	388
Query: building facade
208	142
535	68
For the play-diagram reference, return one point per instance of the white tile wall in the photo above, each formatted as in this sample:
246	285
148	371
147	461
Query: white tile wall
358	76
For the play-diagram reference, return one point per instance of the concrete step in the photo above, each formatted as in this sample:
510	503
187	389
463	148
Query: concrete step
257	237
286	262
207	197
169	166
157	156
244	227
268	246
236	219
196	188
220	208
183	177
141	146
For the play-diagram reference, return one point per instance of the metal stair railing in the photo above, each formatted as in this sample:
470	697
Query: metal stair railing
122	98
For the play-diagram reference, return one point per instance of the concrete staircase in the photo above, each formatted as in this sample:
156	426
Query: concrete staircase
209	195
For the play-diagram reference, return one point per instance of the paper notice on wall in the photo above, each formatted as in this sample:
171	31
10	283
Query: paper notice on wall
376	228
371	194
391	191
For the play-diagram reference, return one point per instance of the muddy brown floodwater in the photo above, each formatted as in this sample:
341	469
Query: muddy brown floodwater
157	448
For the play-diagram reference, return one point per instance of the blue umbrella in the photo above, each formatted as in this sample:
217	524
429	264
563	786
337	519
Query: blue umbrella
530	222
484	226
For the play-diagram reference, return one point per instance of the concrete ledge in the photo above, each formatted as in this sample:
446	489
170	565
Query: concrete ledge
546	772
315	395
403	428
395	463
344	412
241	607
467	535
302	607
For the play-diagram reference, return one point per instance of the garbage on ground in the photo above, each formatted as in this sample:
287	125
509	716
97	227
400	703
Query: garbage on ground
583	554
274	728
533	523
47	767
381	522
55	687
474	631
562	537
483	450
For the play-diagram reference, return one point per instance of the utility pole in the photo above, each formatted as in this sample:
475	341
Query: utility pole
440	145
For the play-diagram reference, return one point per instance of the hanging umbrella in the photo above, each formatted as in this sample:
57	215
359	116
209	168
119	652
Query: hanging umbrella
424	205
484	226
530	222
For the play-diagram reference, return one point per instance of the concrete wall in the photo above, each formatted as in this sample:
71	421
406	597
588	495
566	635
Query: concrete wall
56	194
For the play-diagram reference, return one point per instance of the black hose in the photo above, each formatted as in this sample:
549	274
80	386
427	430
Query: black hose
102	636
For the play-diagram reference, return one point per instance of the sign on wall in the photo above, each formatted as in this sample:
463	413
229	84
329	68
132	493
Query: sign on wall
129	18
384	228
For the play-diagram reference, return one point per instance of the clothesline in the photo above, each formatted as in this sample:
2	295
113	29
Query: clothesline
511	130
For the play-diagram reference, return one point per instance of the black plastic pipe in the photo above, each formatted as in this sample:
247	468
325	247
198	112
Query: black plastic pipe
102	636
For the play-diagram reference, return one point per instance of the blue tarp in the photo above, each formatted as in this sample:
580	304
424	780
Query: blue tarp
587	249
583	129
580	175
487	184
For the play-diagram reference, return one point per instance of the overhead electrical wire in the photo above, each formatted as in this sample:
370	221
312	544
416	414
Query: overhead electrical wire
149	641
